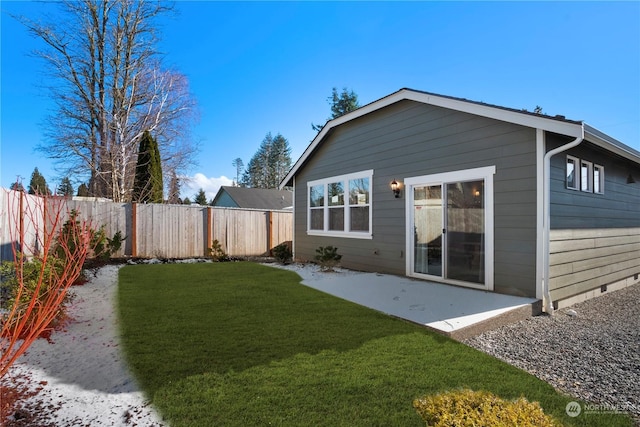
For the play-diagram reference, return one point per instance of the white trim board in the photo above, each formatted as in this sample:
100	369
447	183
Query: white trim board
484	173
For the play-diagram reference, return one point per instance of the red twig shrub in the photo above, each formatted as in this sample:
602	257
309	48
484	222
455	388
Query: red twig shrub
48	258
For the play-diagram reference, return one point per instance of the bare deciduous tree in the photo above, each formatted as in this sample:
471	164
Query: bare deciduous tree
109	87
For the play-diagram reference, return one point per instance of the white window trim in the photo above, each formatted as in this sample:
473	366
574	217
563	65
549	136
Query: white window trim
600	179
347	211
576	173
485	173
588	186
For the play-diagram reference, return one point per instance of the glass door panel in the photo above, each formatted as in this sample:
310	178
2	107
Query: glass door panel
464	227
427	228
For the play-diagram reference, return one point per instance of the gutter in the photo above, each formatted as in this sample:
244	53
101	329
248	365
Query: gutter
548	304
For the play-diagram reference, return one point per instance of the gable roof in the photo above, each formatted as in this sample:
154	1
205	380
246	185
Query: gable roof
257	198
556	124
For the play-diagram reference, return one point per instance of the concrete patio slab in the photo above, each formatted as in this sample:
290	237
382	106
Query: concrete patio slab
454	311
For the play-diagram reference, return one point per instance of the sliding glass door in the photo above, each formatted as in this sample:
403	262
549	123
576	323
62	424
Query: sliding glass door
464	230
427	211
448	221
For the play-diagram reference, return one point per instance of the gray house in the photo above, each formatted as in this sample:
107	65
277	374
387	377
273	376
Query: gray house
469	194
253	198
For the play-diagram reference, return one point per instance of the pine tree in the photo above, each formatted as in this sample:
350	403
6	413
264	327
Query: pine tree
17	186
147	187
280	161
186	201
65	188
174	189
201	198
38	185
239	165
341	104
269	164
83	190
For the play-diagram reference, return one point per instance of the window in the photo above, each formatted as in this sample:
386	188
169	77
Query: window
572	176
341	206
598	179
586	176
336	206
316	207
359	204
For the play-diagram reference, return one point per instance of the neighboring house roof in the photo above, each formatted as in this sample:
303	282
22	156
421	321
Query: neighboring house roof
253	198
557	124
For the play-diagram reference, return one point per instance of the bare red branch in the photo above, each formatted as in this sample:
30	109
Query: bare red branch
38	237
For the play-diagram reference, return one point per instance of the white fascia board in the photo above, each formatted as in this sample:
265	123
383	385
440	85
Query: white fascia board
528	120
369	108
523	119
610	144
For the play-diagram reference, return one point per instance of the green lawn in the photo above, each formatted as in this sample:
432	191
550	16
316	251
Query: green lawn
245	344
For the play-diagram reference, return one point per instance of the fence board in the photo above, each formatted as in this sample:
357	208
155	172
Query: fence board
168	231
113	217
31	222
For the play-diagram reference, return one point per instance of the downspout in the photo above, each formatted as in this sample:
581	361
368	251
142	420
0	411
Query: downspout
548	304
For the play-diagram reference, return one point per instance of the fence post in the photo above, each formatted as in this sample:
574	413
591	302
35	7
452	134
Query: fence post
21	230
270	234
134	232
209	241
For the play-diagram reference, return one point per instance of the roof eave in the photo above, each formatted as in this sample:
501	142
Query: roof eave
559	125
603	140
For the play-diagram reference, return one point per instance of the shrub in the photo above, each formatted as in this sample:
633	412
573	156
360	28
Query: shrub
283	253
115	243
327	257
102	246
13	296
217	253
480	408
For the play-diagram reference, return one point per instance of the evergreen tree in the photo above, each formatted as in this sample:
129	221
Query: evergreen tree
17	186
201	198
83	190
186	201
174	189
269	164
147	186
65	188
341	104
38	185
239	165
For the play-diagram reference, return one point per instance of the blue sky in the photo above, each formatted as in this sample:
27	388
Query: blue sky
258	67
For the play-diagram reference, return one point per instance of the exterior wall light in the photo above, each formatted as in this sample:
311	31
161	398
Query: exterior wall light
630	179
395	187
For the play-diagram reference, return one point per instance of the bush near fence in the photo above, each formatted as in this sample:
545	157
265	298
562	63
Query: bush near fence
168	231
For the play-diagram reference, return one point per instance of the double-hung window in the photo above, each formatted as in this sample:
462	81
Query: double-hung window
340	206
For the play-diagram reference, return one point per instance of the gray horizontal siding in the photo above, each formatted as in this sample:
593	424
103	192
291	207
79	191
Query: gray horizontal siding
410	139
618	207
585	259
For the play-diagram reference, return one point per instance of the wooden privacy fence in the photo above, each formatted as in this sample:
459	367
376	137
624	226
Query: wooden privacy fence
165	231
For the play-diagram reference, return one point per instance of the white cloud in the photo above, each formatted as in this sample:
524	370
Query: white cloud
190	185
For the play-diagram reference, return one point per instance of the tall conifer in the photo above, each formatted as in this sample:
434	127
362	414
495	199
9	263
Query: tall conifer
147	187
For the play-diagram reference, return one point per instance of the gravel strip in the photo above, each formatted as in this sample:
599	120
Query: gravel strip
590	351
